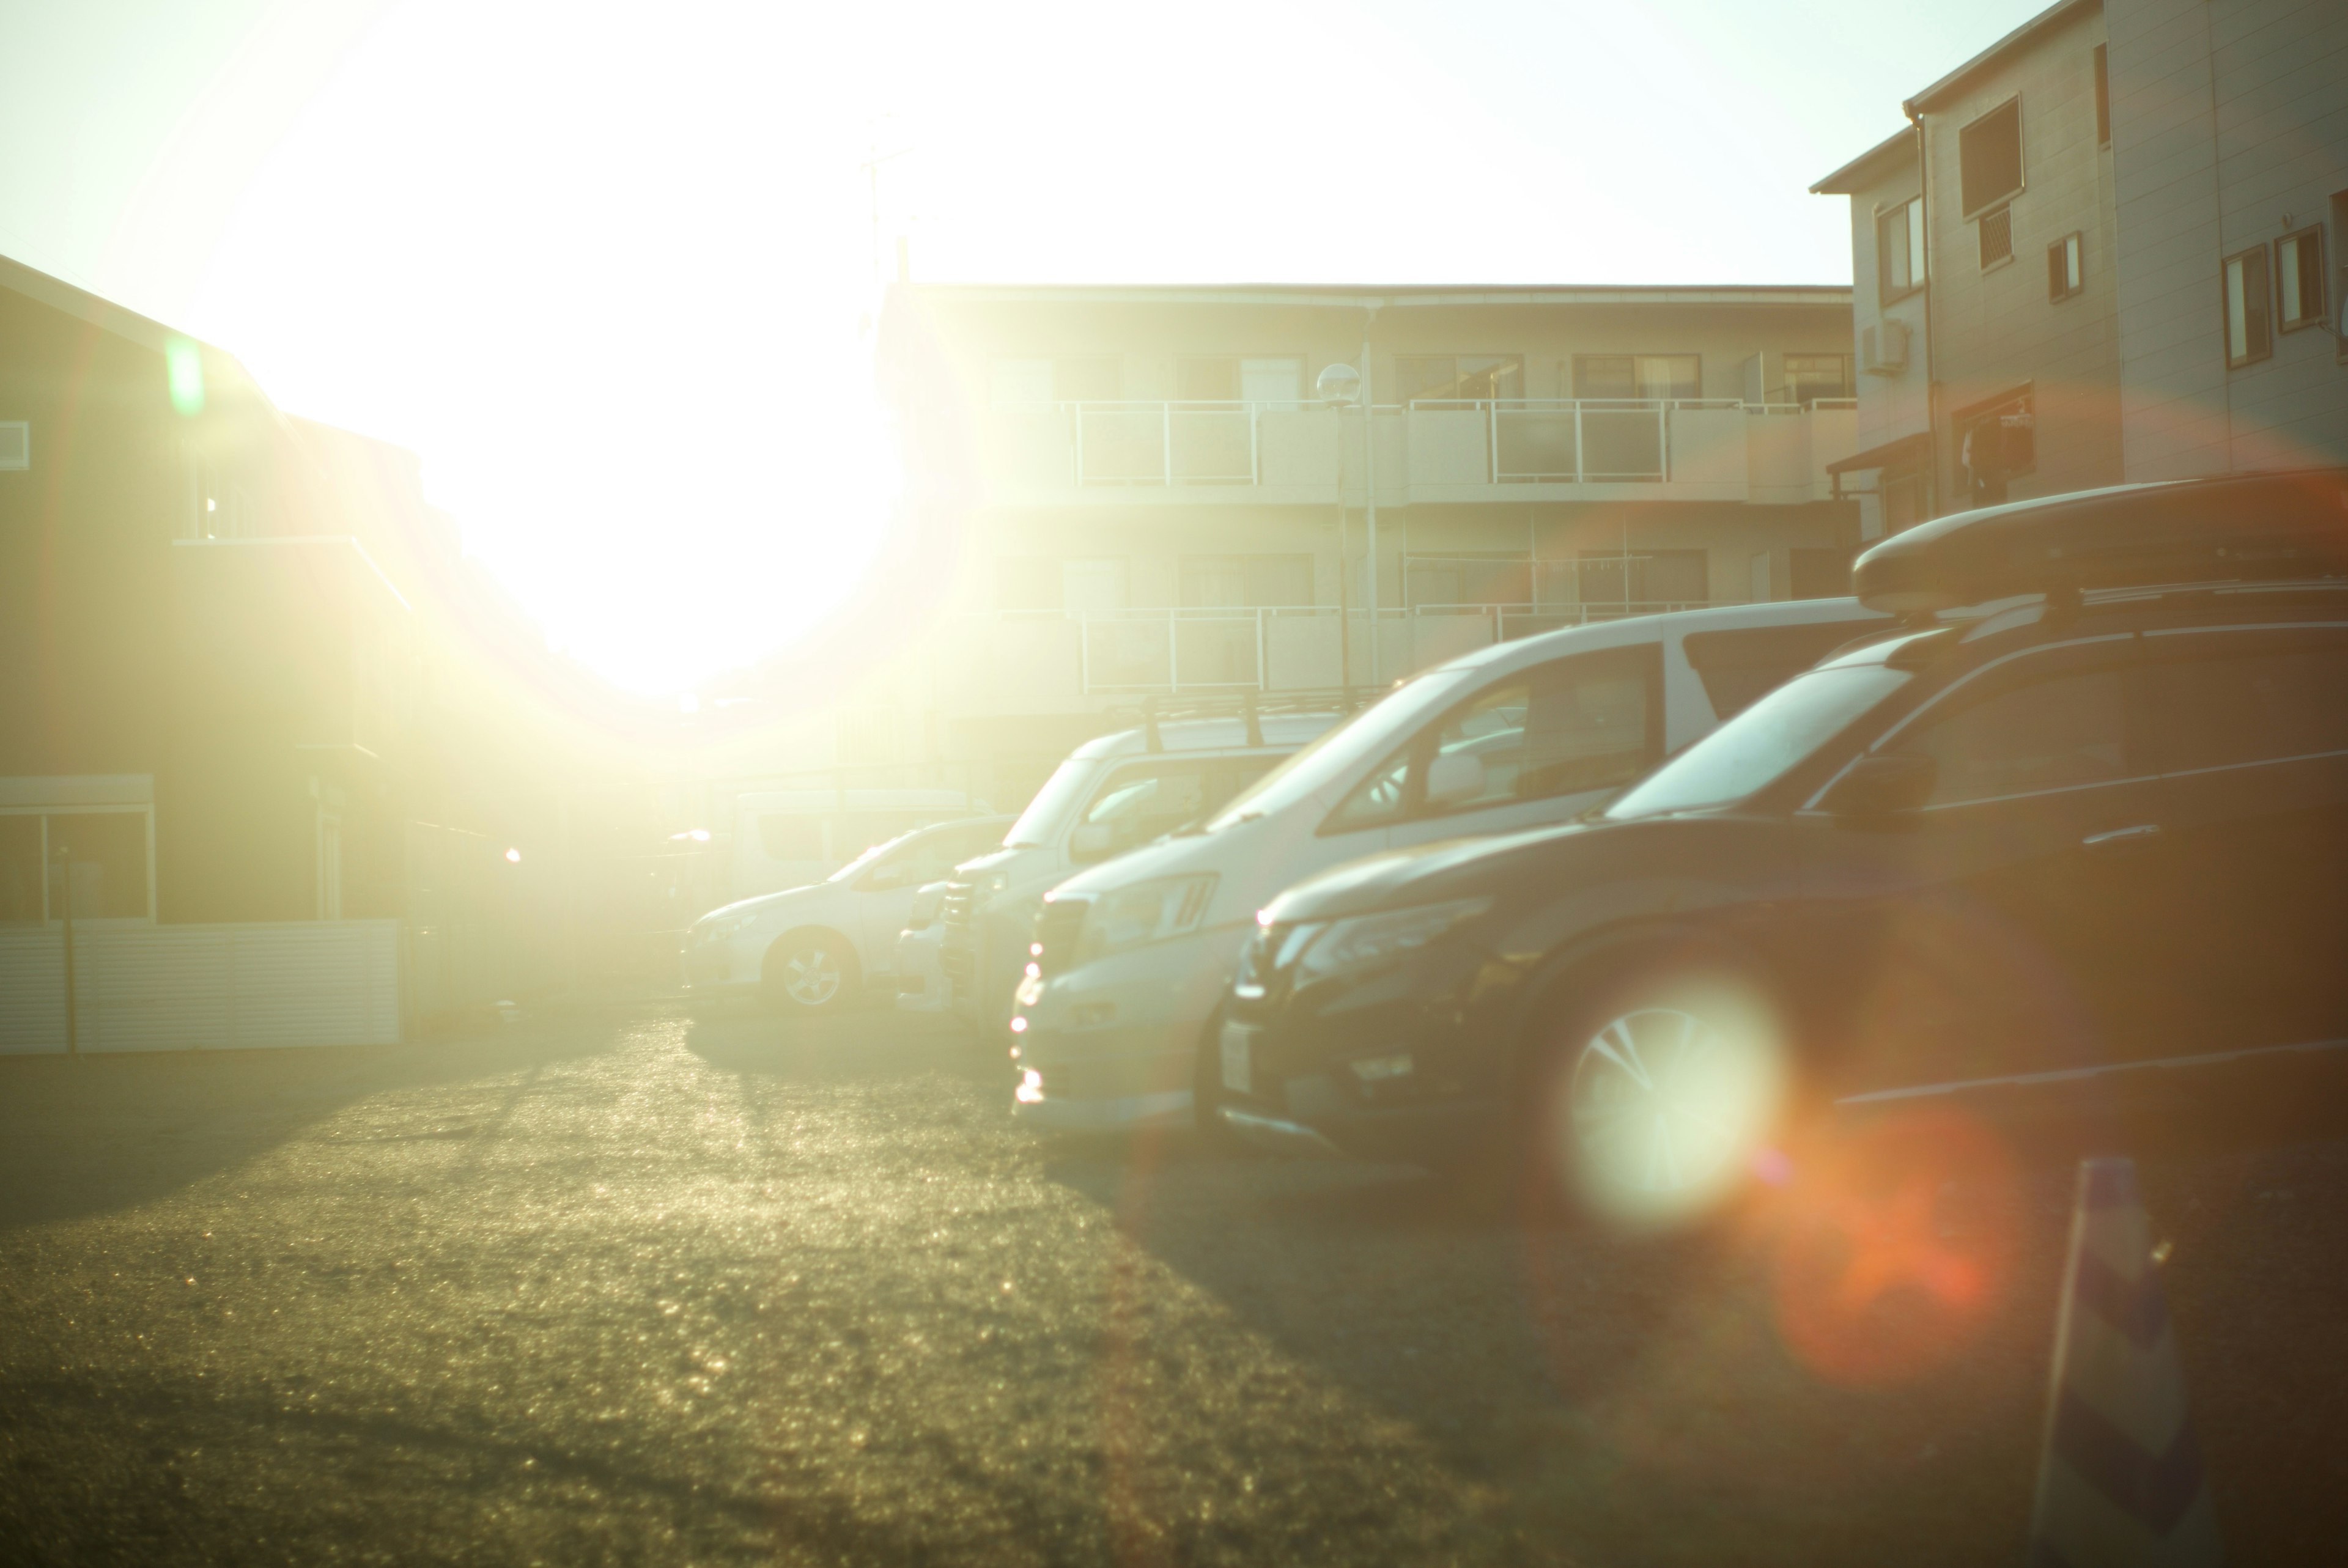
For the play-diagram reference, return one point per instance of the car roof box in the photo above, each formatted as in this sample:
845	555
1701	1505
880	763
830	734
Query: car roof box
2242	528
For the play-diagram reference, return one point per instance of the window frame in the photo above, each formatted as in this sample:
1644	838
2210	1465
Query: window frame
2070	255
2021	164
2320	316
1911	216
111	808
2225	267
1990	263
1574	371
1503	359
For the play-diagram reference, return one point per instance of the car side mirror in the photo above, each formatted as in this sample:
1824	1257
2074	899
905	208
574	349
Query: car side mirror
1884	784
1453	777
1092	841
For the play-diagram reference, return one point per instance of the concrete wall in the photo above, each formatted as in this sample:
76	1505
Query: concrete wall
1996	330
2229	129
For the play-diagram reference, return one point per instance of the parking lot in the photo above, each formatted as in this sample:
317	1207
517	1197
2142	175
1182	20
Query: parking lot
613	1286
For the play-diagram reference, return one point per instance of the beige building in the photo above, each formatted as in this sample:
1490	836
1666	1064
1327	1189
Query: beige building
1168	508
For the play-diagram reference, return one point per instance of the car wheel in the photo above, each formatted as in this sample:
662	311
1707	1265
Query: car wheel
1655	1103
809	973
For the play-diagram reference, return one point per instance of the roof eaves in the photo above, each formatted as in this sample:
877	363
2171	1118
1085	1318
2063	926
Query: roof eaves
1351	297
1863	169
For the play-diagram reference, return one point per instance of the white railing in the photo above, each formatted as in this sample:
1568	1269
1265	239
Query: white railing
1493	441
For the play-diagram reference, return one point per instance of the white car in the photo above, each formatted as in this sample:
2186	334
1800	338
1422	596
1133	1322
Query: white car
790	838
921	983
809	950
1111	795
1132	958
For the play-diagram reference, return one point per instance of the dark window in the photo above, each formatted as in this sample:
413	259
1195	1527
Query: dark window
1646	577
2065	275
1207	380
1638	376
2249	331
2063	733
1810	377
1899	249
20	870
1587	722
1989	158
1740	667
2299	280
1996	237
2103	99
1241	582
1459	377
2245	707
1996	442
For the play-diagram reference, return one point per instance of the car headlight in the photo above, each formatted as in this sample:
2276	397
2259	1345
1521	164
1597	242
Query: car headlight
988	886
721	927
1146	912
1363	941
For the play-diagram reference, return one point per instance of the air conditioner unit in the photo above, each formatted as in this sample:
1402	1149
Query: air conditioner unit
1883	348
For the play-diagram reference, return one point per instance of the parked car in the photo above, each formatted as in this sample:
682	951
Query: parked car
1135	955
921	983
809	950
791	838
1111	795
2091	839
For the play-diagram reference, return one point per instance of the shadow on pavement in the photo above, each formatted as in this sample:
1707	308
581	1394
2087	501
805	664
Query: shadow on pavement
91	1134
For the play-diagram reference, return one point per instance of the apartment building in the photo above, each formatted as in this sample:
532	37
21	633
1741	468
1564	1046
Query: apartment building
2229	132
2109	246
1169	507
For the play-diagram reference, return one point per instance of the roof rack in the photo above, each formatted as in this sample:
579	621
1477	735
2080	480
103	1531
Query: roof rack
2243	528
1251	707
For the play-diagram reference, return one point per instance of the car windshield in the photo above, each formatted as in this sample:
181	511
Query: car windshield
1756	748
867	858
1332	756
1053	805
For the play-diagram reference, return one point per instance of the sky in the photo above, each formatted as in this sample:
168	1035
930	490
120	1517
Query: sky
609	271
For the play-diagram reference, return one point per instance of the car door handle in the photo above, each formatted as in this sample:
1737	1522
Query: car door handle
2139	833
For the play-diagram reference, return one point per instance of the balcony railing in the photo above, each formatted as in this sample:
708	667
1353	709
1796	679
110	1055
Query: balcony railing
1707	443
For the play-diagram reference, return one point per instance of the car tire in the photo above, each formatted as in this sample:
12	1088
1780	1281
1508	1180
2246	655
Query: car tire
809	973
1649	1102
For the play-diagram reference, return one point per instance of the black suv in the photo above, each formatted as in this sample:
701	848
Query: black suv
2090	830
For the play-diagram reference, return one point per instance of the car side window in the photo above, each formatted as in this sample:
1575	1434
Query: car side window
2062	731
1587	722
1144	800
2241	704
1741	666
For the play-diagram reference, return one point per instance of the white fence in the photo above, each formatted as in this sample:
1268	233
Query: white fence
202	988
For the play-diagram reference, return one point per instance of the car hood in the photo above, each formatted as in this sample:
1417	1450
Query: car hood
765	902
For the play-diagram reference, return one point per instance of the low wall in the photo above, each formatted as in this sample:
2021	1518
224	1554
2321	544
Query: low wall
202	988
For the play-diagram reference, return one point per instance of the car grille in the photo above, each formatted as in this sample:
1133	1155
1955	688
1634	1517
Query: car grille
1057	925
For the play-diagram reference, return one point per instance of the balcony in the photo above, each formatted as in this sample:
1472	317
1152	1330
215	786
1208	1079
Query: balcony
1510	449
1041	660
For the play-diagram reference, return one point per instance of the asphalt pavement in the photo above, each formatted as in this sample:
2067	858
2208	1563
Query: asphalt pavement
608	1285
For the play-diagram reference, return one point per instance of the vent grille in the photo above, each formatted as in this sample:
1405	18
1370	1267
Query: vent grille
1996	237
16	444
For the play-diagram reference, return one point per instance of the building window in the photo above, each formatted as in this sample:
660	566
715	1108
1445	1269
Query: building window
1996	238
1810	377
2103	97
1989	159
1246	582
2063	276
16	444
1207	380
1643	377
2299	280
1459	377
1997	441
2248	335
1650	578
1899	249
107	848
